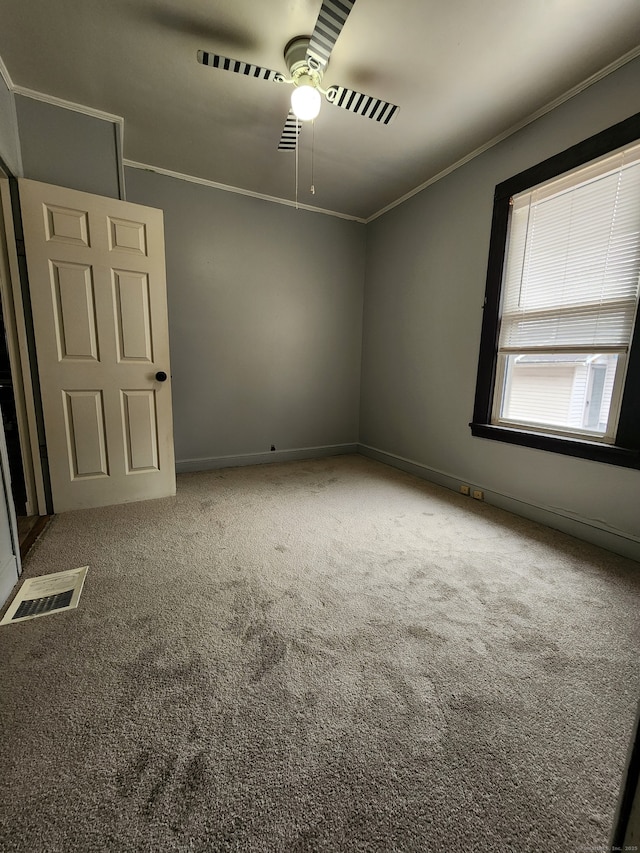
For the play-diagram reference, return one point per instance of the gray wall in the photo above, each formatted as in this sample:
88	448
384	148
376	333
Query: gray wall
265	302
425	281
265	320
67	148
9	146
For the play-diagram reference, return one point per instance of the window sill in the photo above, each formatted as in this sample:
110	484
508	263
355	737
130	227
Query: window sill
583	449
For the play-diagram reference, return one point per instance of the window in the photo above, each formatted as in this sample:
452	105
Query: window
558	367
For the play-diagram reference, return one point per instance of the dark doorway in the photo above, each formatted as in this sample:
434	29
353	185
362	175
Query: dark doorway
10	421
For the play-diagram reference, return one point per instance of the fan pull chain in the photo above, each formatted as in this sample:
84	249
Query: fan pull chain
313	145
297	136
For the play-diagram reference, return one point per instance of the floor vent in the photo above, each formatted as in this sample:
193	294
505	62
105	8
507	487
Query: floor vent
40	606
46	594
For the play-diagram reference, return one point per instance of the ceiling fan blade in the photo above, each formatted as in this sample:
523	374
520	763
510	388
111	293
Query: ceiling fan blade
363	105
331	20
239	67
290	133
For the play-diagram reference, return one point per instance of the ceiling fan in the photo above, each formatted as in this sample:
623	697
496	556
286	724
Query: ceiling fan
307	58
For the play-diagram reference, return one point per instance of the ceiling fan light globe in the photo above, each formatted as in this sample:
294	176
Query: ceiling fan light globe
305	102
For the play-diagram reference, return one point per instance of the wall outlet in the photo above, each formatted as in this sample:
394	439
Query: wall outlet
465	490
478	494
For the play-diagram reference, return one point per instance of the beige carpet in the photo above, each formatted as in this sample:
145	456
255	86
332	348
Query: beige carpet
319	656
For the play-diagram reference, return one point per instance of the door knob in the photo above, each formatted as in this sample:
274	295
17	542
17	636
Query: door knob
161	376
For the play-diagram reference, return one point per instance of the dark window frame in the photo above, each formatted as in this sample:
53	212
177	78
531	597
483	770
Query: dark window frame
626	450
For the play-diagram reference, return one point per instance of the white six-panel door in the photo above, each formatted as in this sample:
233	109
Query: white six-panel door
98	293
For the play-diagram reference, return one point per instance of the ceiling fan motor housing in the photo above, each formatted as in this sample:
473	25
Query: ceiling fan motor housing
302	68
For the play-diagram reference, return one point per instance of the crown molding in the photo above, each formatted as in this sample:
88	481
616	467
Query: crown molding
67	105
238	190
571	93
4	73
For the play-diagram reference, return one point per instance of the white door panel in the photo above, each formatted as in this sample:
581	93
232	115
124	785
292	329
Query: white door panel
98	292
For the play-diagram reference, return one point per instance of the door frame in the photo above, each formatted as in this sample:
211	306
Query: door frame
20	357
7	578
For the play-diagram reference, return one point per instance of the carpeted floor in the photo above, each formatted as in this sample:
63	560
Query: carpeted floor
319	656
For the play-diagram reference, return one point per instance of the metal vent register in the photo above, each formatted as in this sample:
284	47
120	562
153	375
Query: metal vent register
46	594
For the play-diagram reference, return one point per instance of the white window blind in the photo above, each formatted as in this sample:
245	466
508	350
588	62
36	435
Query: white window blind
573	261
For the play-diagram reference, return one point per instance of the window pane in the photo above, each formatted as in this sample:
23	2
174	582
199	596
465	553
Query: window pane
566	391
573	264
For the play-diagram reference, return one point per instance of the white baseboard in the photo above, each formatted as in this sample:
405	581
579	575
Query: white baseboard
207	464
587	530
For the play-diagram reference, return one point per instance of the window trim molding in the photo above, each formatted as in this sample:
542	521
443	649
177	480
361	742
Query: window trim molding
626	452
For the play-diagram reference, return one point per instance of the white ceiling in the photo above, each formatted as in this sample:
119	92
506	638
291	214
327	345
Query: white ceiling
462	71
